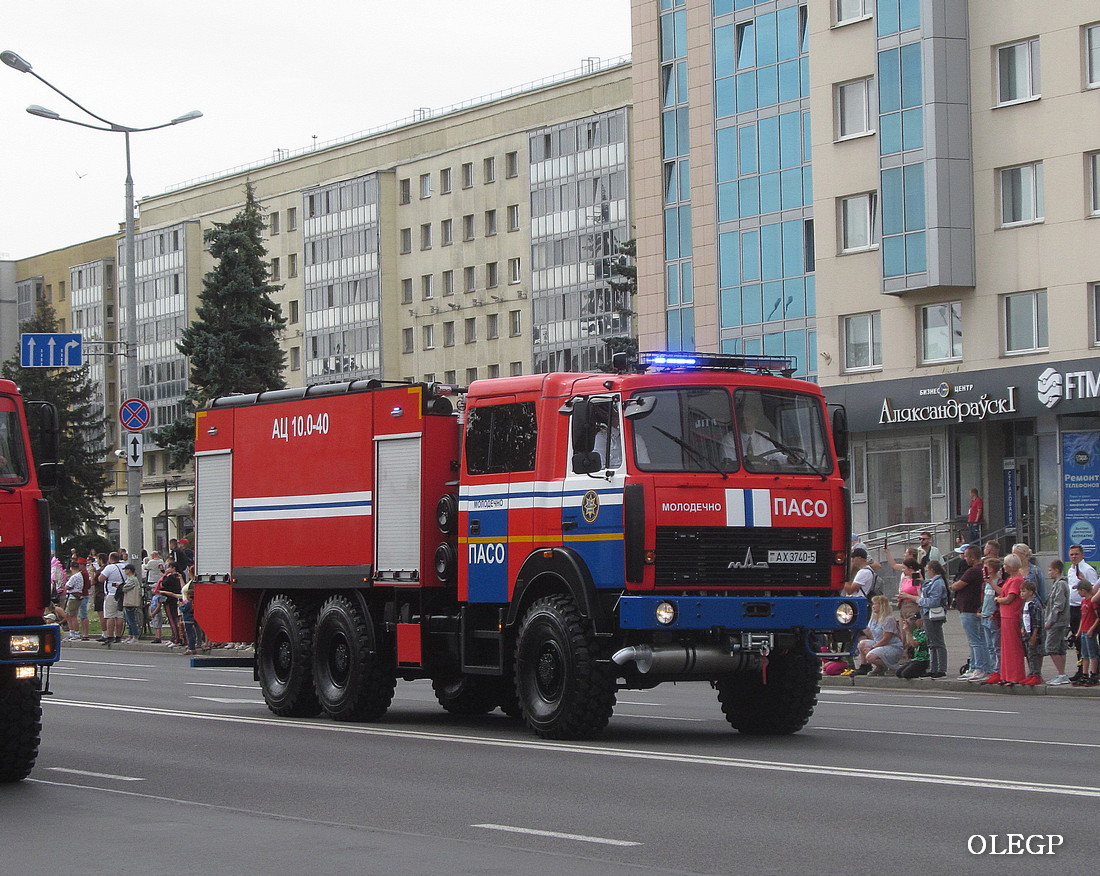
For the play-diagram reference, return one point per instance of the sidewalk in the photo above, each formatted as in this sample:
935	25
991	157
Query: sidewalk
958	652
148	646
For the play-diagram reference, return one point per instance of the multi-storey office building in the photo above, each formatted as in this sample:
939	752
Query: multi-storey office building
465	243
952	226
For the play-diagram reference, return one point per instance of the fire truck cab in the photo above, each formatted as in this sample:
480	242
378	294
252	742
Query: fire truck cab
559	538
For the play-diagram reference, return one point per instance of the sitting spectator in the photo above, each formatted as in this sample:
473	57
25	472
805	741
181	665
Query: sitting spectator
916	643
881	649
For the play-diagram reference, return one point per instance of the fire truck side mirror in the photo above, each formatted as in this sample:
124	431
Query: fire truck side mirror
840	432
45	430
50	474
583	429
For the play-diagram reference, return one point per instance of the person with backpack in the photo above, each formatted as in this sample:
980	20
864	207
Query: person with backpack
863	578
933	611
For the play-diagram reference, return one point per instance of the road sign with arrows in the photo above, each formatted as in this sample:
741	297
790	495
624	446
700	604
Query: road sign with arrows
135	445
51	350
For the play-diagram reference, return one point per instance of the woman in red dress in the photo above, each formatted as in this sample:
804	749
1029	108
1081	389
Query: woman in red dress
1011	611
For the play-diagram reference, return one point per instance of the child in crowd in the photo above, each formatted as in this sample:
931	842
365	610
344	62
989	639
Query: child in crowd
156	616
1086	633
1031	630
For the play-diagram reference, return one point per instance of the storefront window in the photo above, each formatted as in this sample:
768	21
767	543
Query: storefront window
899	482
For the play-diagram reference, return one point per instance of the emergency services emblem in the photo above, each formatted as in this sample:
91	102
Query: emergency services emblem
590	506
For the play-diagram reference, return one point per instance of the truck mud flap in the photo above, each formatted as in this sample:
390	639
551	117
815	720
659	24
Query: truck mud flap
223	662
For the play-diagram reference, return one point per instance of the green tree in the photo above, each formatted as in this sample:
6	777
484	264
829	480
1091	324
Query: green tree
76	504
233	344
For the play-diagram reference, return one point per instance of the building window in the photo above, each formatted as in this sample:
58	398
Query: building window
470	279
273	222
941	332
428	332
1093	175
425	185
291	218
471	330
1092	56
511	164
292	265
490	223
450	377
492	326
1096	314
446	232
1026	322
468	226
295	358
1018	71
489	170
449	334
404	190
857	222
862	342
406	240
494	371
1022	194
407	290
448	282
275	274
426	236
851	10
515	323
492	279
293	317
513	217
471	375
406	340
515	369
468	175
427	286
853	103
445	181
513	270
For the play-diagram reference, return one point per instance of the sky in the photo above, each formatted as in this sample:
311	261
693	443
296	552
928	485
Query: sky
266	75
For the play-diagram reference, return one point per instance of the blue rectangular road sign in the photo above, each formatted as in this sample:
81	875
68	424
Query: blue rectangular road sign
51	350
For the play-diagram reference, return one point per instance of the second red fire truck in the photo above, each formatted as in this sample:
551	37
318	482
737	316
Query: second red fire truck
558	538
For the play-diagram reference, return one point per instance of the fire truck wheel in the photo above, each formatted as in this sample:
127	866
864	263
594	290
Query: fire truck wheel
564	693
778	708
354	680
466	694
20	729
284	655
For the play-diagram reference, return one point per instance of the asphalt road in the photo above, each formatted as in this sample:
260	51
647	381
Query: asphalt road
149	766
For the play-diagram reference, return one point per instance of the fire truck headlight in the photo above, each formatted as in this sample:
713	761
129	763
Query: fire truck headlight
665	613
25	643
845	613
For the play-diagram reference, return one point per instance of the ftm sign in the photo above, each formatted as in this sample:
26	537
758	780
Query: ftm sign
51	350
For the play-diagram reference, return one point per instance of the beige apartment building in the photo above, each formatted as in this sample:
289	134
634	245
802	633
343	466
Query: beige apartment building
470	242
903	196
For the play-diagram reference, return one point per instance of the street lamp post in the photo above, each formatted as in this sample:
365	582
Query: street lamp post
134	536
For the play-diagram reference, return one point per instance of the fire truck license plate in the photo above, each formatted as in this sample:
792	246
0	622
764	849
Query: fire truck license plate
792	556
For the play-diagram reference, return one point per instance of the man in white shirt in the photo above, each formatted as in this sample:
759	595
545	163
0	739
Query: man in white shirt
111	577
1077	570
863	581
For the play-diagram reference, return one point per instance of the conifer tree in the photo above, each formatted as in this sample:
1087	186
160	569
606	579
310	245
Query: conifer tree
233	344
76	504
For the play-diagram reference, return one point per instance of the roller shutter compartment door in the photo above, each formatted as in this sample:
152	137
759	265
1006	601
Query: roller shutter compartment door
397	505
213	513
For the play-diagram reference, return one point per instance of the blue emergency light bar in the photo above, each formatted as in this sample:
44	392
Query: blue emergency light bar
680	361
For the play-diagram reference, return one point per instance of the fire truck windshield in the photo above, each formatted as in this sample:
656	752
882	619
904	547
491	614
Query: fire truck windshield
13	465
695	429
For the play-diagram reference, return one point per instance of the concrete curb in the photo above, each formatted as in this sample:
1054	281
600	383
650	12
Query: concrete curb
149	647
943	684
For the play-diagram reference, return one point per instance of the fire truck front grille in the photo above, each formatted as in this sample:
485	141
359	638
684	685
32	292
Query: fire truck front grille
751	558
11	581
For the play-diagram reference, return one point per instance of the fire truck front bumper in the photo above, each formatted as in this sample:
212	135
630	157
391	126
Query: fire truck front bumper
743	613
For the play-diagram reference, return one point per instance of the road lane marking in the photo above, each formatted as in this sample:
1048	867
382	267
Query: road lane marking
250	687
101	677
966	738
553	834
229	701
661	717
580	748
911	706
68	662
87	774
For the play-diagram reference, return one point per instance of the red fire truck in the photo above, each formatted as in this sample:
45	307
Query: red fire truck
561	537
28	647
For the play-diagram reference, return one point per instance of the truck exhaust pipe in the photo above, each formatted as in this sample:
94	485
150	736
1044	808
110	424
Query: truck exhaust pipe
701	660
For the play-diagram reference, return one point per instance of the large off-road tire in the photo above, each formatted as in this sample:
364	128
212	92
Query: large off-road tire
564	692
353	676
284	659
20	728
466	694
779	707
